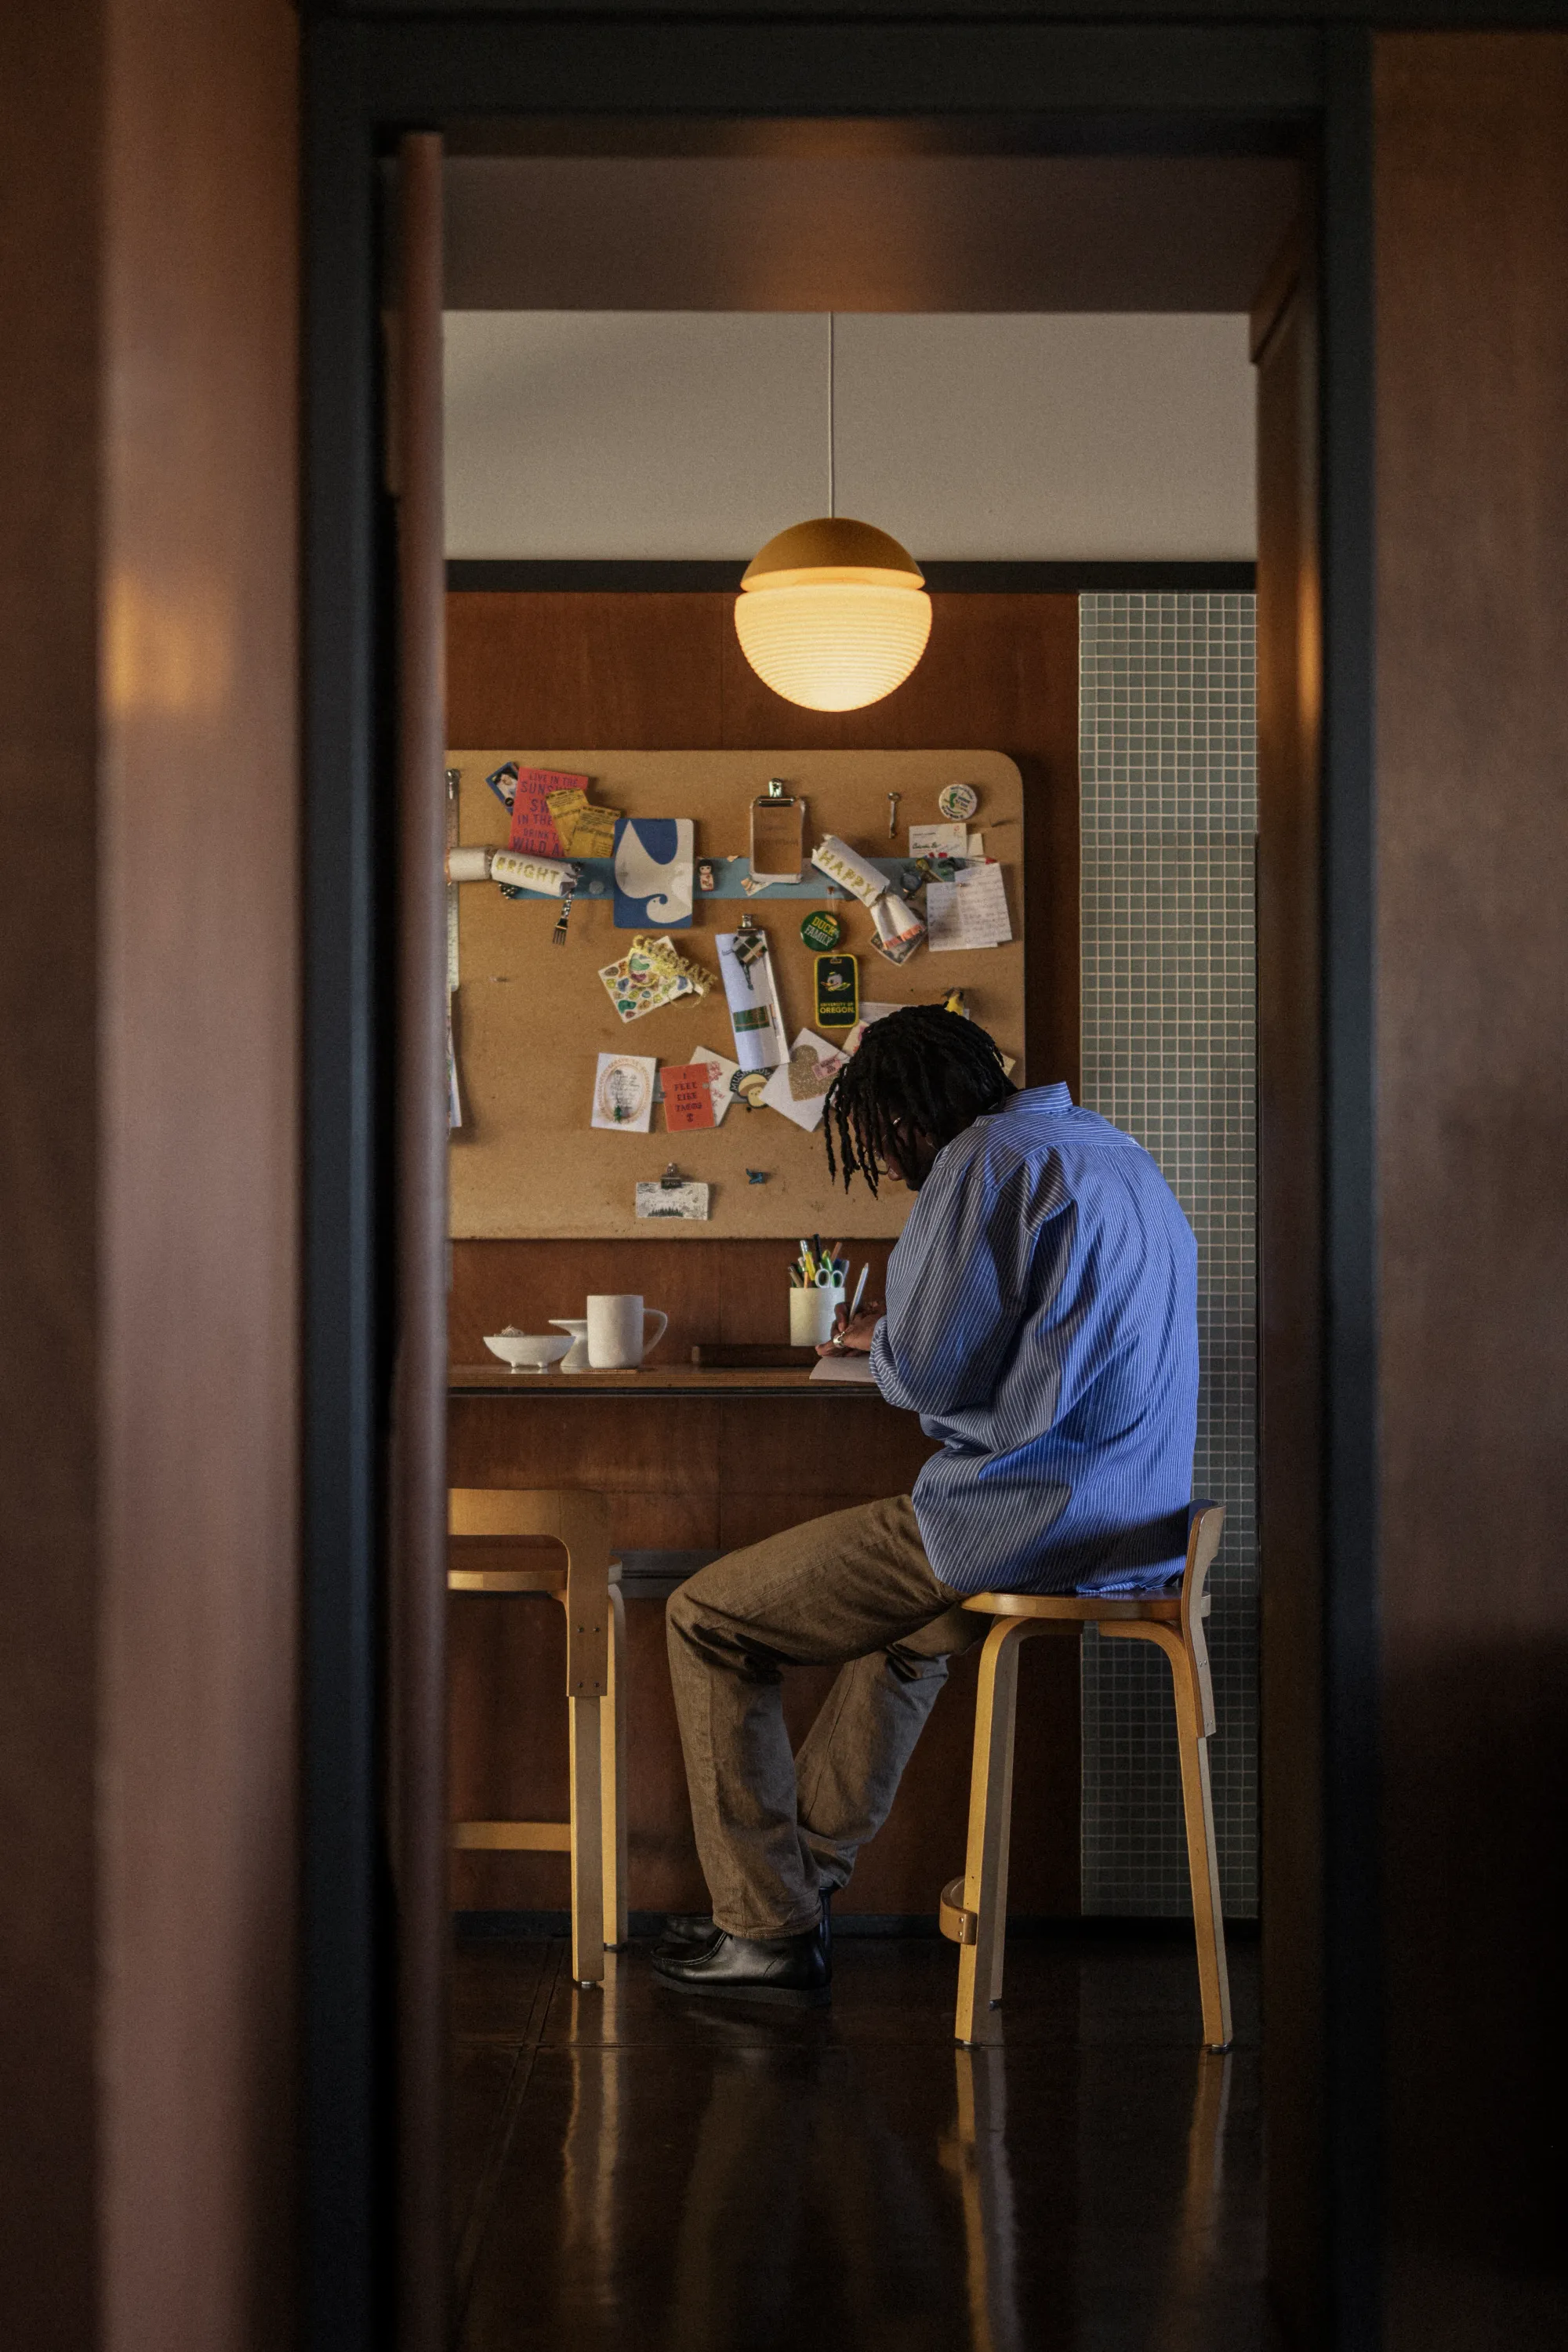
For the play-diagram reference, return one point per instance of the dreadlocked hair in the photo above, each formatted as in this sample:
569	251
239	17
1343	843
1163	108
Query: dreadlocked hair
933	1069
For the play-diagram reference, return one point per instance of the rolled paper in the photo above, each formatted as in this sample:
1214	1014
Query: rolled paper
842	864
525	872
468	865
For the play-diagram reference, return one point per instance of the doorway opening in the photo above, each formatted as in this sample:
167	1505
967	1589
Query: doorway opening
1044	384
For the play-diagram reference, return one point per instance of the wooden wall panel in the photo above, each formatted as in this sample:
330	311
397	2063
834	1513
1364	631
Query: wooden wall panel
149	1015
710	1289
51	134
661	672
645	672
1290	1256
1472	1138
200	1205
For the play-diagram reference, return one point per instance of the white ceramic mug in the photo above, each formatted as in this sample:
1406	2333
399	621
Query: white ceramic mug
811	1314
618	1334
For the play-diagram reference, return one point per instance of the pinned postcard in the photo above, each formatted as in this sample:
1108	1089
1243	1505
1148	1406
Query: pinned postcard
623	1092
532	826
969	912
939	841
687	1097
799	1088
586	831
746	967
687	1201
723	1075
654	866
652	973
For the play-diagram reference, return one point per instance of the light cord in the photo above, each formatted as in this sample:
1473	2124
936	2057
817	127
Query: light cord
832	486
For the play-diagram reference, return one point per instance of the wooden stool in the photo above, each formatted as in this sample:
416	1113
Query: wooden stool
974	1910
588	1589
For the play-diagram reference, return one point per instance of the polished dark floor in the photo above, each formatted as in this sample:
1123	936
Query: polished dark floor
639	2170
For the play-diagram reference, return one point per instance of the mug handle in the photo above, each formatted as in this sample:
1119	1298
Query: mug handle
653	1314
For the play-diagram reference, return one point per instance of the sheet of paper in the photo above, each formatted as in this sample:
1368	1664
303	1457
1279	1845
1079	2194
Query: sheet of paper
753	1000
687	1097
721	1075
969	912
939	841
976	846
654	866
623	1092
853	1371
533	830
686	1202
586	831
798	1088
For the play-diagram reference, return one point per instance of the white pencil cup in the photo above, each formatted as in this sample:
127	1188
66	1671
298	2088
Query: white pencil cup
811	1315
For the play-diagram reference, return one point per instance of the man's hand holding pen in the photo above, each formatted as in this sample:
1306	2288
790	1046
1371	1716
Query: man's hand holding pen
853	1334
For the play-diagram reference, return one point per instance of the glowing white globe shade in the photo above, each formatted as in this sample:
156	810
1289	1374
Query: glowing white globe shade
833	615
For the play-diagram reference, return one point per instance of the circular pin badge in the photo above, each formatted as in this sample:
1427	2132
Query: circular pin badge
822	931
958	802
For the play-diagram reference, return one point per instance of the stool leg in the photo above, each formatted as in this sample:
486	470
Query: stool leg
587	1850
613	1775
1203	1853
989	1789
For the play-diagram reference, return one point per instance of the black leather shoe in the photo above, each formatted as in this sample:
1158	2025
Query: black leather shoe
688	1931
797	1969
684	1931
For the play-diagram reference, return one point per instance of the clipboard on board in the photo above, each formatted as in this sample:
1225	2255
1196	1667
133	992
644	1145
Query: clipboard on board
778	835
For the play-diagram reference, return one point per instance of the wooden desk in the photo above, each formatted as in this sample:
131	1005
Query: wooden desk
703	1462
654	1381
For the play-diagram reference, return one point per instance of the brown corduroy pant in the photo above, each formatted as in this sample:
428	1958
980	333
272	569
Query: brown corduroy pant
853	1590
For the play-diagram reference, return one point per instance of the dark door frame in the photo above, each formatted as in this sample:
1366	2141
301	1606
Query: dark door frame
1088	86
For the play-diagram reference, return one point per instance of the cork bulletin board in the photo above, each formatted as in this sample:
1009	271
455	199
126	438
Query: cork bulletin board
530	1019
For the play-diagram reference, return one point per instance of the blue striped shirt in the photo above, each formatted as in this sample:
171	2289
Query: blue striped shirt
1042	1320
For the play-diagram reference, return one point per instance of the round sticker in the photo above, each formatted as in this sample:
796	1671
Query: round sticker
822	930
958	802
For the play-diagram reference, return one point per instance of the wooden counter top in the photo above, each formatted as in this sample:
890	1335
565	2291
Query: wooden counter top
652	1380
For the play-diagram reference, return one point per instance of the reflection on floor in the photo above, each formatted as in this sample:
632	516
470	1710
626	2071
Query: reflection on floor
638	2171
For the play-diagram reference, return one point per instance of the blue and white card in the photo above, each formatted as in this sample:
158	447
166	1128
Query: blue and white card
653	862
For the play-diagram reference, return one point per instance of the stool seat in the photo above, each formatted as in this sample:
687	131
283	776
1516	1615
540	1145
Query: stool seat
536	1572
1082	1608
973	1910
555	1541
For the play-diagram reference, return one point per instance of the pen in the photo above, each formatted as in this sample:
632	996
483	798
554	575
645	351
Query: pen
860	1290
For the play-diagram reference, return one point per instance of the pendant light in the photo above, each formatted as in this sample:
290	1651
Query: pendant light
833	615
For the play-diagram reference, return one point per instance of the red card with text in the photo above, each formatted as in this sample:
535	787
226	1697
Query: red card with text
532	826
687	1096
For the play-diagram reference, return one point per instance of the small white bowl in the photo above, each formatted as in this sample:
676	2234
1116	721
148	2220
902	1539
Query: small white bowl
529	1351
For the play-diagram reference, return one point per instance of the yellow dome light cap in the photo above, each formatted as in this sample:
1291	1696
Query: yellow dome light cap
848	552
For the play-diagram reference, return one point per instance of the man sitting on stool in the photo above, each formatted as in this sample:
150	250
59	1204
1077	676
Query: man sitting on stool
1042	1320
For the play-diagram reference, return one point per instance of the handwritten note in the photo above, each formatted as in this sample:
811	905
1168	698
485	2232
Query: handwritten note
970	911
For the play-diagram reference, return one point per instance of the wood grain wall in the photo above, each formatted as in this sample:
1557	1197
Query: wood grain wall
148	1017
1472	952
660	672
1291	1335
